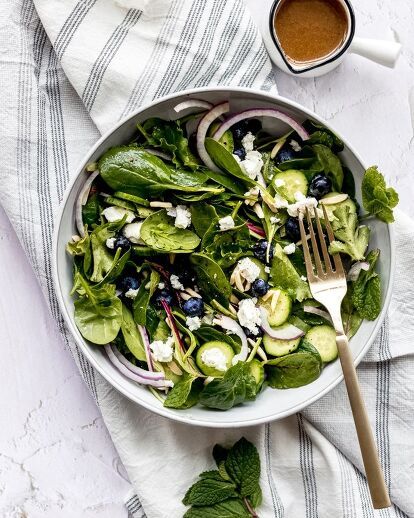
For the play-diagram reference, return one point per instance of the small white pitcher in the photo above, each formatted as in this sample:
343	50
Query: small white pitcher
381	51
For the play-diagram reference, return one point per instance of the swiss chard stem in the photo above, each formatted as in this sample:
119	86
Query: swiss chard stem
236	209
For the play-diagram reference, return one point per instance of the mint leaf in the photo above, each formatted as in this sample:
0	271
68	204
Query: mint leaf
377	198
232	508
366	295
285	276
243	466
209	491
236	386
220	453
351	239
184	394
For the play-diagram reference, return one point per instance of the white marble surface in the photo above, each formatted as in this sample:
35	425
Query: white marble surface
56	457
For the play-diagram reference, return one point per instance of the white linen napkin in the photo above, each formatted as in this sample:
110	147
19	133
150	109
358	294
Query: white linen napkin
107	58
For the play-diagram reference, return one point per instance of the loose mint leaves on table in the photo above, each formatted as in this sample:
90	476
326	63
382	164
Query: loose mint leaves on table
377	198
231	491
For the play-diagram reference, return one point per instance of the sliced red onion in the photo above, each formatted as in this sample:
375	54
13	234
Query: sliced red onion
287	332
160	154
256	230
231	325
192	103
332	200
134	373
202	130
317	311
262	112
355	270
82	199
173	325
145	339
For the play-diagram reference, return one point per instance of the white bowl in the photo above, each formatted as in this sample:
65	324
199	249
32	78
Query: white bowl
270	404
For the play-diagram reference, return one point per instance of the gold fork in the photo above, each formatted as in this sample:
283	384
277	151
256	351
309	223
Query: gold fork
328	286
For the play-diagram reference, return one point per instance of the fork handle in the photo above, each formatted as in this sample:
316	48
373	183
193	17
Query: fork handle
375	477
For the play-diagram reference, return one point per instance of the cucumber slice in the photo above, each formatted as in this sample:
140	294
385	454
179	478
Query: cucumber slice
257	371
279	313
331	208
263	275
276	347
294	181
323	338
224	348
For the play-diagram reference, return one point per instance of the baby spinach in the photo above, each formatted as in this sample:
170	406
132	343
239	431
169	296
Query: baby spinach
211	279
331	165
98	311
118	265
185	393
91	211
237	386
351	319
103	260
159	232
366	294
377	198
82	248
284	275
131	335
351	239
141	301
295	369
202	214
169	136
225	160
322	135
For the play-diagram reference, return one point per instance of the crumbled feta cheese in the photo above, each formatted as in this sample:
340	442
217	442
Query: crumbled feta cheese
75	238
193	323
132	232
280	203
252	164
131	294
249	315
182	216
302	202
303	278
161	285
295	145
247	141
279	182
252	195
116	213
267	269
248	269
214	358
162	351
175	283
110	242
274	220
289	249
226	223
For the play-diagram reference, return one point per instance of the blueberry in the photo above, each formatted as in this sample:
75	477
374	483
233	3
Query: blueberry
240	152
259	288
185	276
128	283
251	335
284	155
239	130
260	249
193	307
319	186
163	294
254	126
292	229
122	242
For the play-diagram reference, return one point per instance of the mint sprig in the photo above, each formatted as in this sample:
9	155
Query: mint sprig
378	199
232	491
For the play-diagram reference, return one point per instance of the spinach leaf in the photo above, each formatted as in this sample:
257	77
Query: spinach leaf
227	247
322	135
331	165
191	198
350	239
135	171
303	164
351	319
159	232
377	198
202	214
236	386
295	369
169	136
229	182
366	295
103	260
98	311
141	301
211	279
225	160
243	466
284	275
91	211
184	394
131	335
231	508
209	334
82	248
118	264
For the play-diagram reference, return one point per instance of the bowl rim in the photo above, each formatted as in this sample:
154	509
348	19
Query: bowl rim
186	418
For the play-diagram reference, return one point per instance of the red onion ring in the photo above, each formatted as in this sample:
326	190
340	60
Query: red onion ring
231	325
257	230
80	202
159	154
144	336
202	130
289	332
316	311
192	103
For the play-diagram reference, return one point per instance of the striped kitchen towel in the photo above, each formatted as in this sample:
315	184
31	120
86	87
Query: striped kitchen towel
69	69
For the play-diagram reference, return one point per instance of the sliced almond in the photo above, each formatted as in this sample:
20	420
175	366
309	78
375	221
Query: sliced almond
161	204
193	293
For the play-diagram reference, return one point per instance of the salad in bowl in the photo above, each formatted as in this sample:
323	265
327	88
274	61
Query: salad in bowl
188	266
